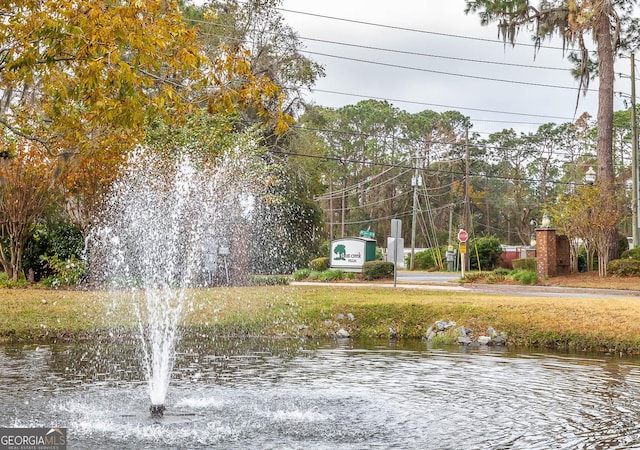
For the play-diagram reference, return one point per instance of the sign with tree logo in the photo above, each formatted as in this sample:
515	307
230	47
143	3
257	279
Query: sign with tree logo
351	253
340	252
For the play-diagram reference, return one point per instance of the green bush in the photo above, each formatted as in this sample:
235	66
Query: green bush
331	275
301	274
268	280
633	253
51	238
65	272
624	267
525	276
430	258
375	270
319	264
487	250
315	275
524	264
6	283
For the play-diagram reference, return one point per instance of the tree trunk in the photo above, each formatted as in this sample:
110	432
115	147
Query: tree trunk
604	138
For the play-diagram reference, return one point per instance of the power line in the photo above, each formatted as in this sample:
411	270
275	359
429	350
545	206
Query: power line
422	69
452	74
431	71
406	166
430	55
413	102
400	139
338	193
415	30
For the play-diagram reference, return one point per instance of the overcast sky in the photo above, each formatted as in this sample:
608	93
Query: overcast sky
441	83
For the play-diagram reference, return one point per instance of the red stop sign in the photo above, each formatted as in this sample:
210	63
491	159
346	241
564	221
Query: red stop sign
463	236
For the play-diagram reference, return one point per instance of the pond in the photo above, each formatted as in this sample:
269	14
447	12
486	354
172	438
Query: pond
345	394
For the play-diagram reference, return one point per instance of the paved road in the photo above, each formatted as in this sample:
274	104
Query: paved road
427	277
445	281
449	278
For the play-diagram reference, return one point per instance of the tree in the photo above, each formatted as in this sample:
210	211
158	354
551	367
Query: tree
509	155
485	253
79	71
573	20
76	70
584	217
26	190
272	49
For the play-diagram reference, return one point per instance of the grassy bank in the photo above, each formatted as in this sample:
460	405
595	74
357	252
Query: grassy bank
300	311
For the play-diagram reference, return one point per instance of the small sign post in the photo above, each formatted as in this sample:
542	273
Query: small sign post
367	233
463	237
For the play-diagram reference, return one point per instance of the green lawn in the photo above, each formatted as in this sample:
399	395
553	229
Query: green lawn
37	315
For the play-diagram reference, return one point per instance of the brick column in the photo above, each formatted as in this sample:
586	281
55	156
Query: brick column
546	265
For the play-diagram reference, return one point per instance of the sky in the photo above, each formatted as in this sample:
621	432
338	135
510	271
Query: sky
436	59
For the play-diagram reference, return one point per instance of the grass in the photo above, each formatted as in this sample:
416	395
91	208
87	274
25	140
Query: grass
36	315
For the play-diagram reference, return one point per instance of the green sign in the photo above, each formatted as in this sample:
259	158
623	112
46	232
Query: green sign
367	233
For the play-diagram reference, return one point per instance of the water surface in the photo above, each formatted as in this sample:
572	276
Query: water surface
281	394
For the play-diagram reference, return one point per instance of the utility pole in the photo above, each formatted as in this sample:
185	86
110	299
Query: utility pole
467	260
330	209
634	154
416	181
466	182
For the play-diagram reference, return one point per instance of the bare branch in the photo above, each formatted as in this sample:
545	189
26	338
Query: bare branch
17	132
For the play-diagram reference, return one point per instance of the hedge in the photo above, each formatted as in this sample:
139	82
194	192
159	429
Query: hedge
624	267
524	264
375	270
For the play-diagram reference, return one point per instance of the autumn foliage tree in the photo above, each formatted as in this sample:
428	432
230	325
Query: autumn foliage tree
26	190
587	221
77	72
85	79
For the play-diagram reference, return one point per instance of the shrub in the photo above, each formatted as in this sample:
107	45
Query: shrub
65	272
268	280
524	264
496	277
319	264
55	238
525	276
301	274
624	267
487	250
6	283
633	254
314	275
472	277
331	275
375	270
426	259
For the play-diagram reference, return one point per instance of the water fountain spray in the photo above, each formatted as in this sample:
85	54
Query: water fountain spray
161	217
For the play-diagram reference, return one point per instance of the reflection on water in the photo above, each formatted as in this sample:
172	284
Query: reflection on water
352	395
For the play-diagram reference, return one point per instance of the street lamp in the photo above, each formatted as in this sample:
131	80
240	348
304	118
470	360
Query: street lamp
534	224
590	176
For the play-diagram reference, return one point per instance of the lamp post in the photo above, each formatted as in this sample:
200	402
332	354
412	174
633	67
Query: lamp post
534	224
